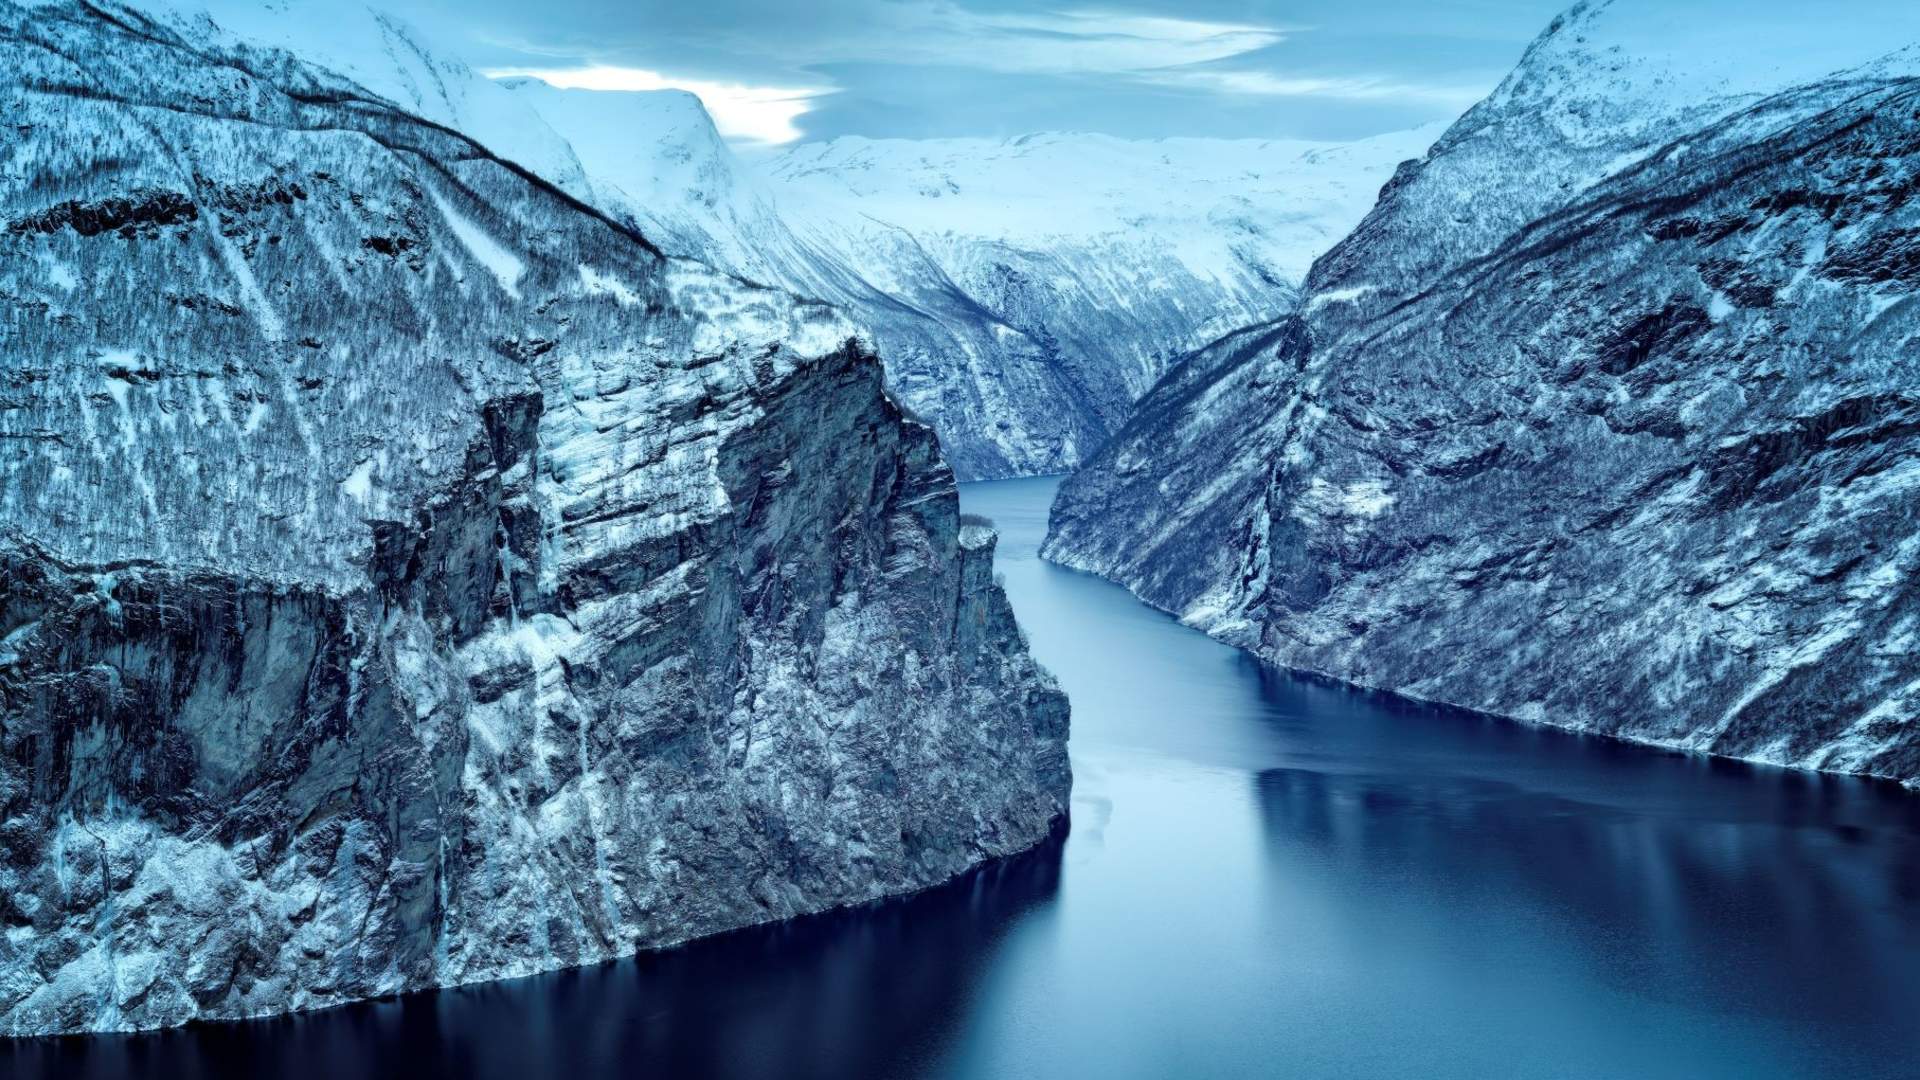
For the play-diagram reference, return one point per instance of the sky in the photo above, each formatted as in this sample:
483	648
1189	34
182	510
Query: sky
779	71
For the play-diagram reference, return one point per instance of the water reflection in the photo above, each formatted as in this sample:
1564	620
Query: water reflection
1778	896
871	992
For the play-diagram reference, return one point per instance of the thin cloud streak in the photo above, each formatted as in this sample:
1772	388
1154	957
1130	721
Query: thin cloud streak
1075	42
1346	88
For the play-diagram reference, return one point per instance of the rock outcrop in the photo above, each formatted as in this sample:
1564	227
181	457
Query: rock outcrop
409	575
1604	418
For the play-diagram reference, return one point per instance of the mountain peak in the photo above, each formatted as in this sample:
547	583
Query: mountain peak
388	57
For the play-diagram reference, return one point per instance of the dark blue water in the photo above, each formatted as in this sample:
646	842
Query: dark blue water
1265	877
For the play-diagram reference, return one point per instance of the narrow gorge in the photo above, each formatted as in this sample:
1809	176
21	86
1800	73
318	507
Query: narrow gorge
569	539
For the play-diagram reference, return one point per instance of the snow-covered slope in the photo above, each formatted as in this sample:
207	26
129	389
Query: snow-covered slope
1022	293
1088	261
384	54
1604	417
1236	213
410	576
657	160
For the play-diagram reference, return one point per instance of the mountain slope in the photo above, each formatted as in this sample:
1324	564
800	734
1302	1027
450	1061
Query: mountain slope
1601	419
657	159
1097	260
410	576
382	54
1021	323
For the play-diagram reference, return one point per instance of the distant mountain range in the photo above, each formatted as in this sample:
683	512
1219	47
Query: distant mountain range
1022	293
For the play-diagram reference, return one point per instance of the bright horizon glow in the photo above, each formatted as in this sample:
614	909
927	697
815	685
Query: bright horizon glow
751	114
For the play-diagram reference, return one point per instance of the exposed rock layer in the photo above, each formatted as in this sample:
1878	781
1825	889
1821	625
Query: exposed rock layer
409	576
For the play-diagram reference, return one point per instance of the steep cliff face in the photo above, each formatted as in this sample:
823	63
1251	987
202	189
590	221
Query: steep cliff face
410	576
1602	418
1023	292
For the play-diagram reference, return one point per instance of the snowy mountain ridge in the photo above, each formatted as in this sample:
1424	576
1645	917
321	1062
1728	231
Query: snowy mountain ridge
384	54
1020	325
1602	418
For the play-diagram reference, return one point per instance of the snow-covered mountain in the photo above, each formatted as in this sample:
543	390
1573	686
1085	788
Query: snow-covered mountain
1239	213
657	160
1083	264
1020	322
410	576
386	55
1021	325
1603	418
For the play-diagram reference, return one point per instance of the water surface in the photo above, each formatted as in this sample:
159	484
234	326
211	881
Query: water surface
1265	877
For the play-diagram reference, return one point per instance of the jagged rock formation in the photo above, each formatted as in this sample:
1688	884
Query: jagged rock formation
408	575
1023	292
1601	419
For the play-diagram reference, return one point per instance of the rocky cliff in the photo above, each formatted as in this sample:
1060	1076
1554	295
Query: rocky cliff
1603	418
411	576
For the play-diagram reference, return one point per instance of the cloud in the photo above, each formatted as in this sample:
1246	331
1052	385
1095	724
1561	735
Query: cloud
1343	87
752	114
1065	42
935	32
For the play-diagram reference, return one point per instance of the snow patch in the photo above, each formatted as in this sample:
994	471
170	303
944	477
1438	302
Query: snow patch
1368	498
599	284
505	267
359	482
1337	296
59	274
